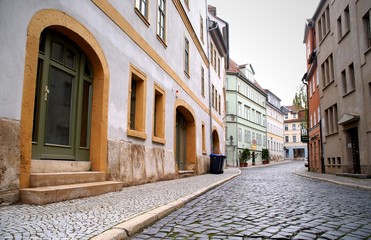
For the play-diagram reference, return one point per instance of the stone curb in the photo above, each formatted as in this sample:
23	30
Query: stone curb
136	224
333	181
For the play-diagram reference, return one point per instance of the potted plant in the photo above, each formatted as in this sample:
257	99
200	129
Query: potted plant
265	156
244	156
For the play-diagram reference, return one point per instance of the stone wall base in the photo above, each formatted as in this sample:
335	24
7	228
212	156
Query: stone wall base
9	160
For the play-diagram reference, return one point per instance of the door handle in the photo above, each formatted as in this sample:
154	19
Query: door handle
46	91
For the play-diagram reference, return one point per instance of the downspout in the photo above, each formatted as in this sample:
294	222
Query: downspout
305	82
209	77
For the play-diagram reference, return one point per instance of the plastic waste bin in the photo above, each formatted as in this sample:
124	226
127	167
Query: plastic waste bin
216	163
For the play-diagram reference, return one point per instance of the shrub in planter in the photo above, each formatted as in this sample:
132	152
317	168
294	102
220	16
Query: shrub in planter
265	156
244	156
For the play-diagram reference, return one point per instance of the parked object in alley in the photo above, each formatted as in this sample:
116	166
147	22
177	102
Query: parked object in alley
217	163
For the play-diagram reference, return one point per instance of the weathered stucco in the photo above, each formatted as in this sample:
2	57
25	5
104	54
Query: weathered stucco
136	164
9	160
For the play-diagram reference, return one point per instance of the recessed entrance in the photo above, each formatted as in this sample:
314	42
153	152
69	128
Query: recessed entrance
185	139
63	100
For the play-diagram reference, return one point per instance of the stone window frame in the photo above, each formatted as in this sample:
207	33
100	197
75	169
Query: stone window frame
159	100
140	105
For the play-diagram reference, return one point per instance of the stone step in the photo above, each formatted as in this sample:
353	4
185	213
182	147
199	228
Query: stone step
64	178
50	194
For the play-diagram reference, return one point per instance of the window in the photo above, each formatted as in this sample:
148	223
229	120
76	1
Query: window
294	126
220	105
239	109
212	95
286	139
240	134
219	67
258	139
294	115
248	113
293	138
214	59
141	9
203	139
286	116
347	19
324	24
216	100
340	32
159	116
202	81
246	139
344	82
352	79
201	29
367	29
186	56
264	141
331	119
348	81
137	100
161	19
212	54
327	69
343	25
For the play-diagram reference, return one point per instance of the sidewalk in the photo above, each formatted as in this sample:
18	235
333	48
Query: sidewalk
115	215
342	180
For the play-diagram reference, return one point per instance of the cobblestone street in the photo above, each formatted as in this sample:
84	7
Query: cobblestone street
270	202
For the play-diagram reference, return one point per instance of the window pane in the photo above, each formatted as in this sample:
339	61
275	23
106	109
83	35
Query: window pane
70	59
59	107
85	114
57	52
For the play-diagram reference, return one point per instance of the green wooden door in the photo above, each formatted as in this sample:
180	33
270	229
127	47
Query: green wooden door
63	101
181	136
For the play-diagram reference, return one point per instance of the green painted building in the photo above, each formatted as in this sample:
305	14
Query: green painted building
246	114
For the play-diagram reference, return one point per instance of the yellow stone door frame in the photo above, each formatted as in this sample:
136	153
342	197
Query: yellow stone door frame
60	21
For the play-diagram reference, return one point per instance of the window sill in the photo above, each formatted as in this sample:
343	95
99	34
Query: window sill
137	134
348	93
187	74
143	18
204	152
323	89
162	41
158	140
342	37
368	50
324	37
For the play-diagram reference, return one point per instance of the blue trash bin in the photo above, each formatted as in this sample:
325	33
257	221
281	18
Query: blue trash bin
217	163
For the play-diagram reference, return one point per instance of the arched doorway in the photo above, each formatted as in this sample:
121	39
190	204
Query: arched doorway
216	143
88	48
185	139
63	100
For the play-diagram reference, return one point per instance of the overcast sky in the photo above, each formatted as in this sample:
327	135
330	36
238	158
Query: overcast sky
269	34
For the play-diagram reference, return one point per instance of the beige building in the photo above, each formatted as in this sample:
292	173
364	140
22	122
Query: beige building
275	139
114	93
294	119
343	36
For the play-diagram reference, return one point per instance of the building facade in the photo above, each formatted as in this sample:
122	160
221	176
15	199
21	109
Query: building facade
275	138
293	123
246	114
122	88
343	33
311	79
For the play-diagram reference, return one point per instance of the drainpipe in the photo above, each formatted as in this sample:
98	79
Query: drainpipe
305	82
209	76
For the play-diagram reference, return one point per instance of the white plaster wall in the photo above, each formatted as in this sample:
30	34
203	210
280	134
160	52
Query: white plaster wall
120	51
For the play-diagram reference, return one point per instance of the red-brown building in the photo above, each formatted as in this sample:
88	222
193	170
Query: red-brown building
314	113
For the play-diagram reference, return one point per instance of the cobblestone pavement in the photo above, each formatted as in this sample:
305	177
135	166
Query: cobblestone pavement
88	217
270	203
